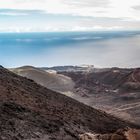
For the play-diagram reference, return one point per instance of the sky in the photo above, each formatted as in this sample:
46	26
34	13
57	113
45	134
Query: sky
68	15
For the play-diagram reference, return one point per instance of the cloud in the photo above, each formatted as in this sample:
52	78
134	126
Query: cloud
89	3
15	12
92	8
96	28
136	7
64	15
59	28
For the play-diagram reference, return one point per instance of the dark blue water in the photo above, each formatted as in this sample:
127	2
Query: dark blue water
17	47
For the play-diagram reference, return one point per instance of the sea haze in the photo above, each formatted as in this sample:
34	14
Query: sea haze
102	49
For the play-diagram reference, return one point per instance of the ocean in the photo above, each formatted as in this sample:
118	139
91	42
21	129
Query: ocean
112	48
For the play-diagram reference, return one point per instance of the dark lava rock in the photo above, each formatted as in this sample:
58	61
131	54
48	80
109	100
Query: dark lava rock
30	111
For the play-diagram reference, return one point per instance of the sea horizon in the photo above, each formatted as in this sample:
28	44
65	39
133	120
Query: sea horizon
68	48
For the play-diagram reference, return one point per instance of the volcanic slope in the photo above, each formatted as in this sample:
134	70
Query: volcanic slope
49	79
30	111
115	90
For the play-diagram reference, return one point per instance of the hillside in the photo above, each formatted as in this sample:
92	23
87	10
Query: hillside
47	78
115	90
30	111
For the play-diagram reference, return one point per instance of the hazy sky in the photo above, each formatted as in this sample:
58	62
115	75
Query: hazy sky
69	15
